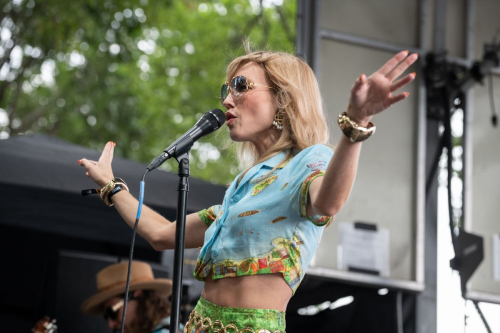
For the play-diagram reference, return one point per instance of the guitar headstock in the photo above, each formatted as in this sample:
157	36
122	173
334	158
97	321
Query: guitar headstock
45	325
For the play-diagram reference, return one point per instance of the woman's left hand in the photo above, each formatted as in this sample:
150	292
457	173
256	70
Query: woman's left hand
373	94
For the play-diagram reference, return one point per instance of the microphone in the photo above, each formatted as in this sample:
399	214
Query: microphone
208	123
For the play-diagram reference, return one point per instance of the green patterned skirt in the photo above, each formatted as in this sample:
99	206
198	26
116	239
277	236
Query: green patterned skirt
210	318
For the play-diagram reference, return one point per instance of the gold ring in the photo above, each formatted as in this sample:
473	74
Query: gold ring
206	323
198	319
220	329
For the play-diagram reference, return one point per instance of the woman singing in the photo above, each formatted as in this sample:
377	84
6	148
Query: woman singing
257	244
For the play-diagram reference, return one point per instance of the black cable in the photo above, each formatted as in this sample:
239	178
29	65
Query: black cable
434	166
494	118
476	304
131	254
445	141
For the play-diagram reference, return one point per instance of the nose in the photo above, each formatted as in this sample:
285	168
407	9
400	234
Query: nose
228	103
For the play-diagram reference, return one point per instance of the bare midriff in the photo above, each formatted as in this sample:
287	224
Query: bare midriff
266	291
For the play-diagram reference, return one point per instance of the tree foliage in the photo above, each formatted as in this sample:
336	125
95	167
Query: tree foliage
135	72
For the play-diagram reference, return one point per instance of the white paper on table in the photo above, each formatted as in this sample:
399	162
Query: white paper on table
363	249
496	257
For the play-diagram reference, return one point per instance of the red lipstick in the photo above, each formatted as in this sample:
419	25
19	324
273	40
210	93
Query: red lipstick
229	118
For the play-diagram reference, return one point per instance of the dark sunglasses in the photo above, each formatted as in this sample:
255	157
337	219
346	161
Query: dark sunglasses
112	311
238	87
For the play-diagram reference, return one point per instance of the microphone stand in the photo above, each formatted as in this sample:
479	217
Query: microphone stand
210	122
180	232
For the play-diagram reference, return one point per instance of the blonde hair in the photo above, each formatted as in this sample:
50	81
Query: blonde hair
296	93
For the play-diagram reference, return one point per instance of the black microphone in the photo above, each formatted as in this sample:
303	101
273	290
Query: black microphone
208	123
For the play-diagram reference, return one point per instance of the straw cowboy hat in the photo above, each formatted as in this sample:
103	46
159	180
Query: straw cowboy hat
111	282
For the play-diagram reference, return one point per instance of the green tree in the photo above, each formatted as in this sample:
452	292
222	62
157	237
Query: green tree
135	72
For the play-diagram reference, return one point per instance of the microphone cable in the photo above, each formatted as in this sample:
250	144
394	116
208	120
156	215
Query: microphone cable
131	254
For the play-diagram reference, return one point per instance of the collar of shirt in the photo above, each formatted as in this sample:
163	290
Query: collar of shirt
269	163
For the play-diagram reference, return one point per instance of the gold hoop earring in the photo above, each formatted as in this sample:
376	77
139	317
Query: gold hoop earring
278	120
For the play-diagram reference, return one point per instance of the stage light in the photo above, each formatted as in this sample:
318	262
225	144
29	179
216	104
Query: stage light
383	291
312	310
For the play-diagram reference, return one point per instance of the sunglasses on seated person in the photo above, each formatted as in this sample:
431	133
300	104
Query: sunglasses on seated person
238	87
112	311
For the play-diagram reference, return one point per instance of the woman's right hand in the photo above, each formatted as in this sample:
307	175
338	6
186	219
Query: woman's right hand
100	171
157	230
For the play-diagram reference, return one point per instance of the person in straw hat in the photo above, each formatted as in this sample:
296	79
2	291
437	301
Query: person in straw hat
148	309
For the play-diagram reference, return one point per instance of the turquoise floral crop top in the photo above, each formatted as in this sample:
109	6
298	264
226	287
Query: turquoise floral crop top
262	225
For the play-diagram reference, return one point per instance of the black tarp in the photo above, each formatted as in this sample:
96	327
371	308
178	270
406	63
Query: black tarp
40	185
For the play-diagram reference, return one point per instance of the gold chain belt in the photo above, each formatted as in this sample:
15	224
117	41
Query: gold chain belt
198	324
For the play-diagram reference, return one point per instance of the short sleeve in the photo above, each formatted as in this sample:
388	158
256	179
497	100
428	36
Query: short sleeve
311	165
209	215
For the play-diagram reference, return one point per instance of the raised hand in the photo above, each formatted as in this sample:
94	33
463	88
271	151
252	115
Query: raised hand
373	94
100	171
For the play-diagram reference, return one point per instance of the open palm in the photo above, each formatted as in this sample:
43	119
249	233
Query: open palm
373	94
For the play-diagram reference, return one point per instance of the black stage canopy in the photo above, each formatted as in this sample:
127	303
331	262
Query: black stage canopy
41	183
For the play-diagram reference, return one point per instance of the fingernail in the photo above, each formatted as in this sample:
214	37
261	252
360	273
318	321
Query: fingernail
407	51
407	94
414	74
114	144
79	161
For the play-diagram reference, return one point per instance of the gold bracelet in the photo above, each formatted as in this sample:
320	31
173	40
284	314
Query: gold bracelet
107	198
106	190
353	131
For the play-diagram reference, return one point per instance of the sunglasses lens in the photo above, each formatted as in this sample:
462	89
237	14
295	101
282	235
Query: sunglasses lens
239	86
223	92
109	314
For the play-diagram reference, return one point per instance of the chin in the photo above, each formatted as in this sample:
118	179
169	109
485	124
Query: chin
235	137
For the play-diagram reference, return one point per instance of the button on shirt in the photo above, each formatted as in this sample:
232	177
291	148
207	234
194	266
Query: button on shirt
262	225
